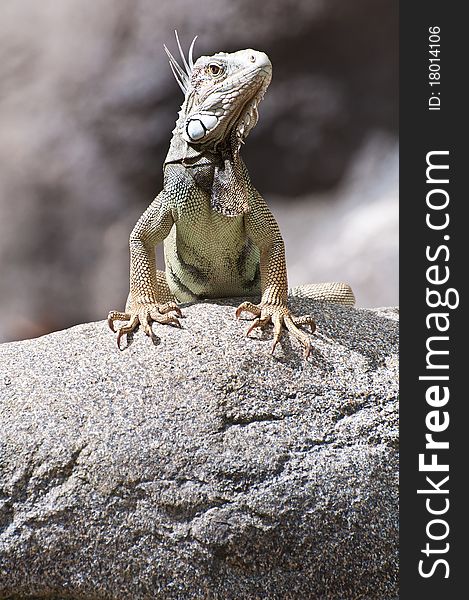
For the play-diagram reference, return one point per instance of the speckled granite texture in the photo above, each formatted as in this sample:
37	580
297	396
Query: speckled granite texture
202	467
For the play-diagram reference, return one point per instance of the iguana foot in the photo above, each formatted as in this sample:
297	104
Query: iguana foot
278	315
144	314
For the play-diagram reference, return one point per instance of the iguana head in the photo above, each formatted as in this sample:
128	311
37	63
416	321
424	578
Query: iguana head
222	93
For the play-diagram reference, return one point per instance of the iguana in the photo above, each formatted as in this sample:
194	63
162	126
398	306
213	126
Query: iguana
220	238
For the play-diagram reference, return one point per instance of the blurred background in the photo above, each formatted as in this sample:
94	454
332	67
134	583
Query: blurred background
87	105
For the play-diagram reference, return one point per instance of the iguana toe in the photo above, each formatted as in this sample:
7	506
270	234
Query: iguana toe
248	307
280	316
301	336
115	315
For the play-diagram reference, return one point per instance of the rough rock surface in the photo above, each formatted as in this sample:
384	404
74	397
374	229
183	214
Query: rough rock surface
201	467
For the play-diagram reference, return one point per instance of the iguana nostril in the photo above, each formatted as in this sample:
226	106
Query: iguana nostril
259	59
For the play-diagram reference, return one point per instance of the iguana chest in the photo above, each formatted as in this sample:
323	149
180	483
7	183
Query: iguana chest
207	254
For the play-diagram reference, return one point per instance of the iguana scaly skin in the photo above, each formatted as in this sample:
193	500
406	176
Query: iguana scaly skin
220	238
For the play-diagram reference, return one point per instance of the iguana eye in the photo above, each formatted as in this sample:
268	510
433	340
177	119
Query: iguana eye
214	69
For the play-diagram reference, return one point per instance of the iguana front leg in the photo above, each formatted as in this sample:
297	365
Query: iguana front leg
262	228
149	298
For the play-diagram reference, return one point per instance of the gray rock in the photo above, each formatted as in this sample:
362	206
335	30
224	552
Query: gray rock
202	467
